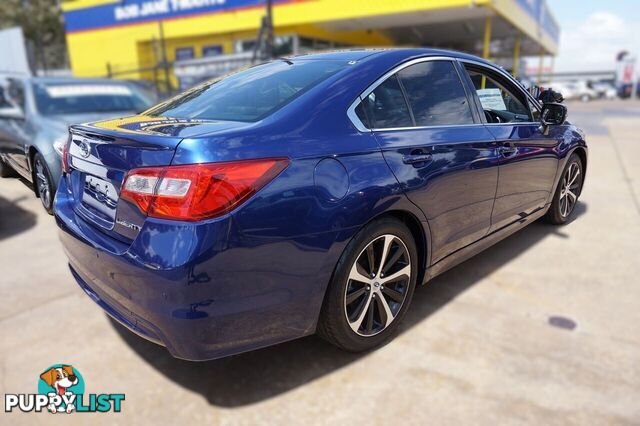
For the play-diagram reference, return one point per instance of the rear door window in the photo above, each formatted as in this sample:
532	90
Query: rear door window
436	94
386	107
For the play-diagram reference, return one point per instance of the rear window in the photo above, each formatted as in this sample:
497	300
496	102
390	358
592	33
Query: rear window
249	95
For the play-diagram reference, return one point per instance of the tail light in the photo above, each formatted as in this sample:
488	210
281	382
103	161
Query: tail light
65	155
198	191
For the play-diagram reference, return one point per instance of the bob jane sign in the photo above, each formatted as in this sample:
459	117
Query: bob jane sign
139	11
150	8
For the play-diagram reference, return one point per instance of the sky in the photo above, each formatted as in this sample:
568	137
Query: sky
594	31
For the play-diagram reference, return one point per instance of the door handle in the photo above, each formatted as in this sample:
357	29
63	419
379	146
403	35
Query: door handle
508	150
416	158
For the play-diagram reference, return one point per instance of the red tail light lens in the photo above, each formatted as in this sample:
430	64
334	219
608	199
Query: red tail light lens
65	156
198	191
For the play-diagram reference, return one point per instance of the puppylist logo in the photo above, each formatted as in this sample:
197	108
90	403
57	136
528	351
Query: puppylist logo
61	390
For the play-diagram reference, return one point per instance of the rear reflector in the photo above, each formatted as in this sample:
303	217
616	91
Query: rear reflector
198	191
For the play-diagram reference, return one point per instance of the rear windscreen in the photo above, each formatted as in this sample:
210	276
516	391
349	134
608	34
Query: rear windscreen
249	95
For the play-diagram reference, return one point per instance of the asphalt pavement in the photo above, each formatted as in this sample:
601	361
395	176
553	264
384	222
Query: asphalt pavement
543	328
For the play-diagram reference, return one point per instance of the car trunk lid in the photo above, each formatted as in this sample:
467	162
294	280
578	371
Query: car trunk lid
100	155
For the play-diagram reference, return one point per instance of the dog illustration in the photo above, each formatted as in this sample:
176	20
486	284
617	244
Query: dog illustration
60	379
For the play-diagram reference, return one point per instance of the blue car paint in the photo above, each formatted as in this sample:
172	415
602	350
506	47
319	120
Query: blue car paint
257	276
456	188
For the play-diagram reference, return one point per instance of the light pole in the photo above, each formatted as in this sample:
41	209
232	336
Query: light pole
269	23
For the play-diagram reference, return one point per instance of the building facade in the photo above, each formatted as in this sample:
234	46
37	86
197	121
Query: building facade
130	38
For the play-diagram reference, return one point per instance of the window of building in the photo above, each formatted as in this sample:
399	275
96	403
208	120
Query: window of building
211	50
184	53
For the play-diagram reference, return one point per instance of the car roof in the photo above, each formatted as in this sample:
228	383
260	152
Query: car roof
371	53
344	55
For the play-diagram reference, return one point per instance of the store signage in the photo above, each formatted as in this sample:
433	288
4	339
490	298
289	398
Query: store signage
149	8
140	11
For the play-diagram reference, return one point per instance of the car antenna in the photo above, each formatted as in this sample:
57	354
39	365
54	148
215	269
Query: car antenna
287	60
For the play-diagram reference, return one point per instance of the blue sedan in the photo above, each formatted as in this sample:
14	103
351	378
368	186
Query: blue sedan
309	194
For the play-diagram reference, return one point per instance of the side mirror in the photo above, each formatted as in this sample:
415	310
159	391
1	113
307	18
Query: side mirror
553	113
12	113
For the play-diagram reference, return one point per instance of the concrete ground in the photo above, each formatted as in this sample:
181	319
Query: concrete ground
478	345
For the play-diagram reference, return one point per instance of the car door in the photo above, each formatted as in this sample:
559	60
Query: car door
528	161
13	134
443	156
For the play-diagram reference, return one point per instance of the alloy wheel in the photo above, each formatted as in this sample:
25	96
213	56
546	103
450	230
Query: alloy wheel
44	186
570	189
377	285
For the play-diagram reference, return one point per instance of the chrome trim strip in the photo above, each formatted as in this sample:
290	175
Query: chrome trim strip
351	113
515	123
88	167
362	128
399	68
440	126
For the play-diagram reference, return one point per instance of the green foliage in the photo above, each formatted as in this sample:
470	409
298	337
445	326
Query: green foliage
41	22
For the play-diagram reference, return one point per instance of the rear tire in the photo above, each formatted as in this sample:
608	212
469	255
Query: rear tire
372	287
43	182
567	192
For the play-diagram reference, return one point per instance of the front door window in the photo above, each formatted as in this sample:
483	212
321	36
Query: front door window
499	103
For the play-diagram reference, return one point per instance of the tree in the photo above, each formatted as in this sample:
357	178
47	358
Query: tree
41	22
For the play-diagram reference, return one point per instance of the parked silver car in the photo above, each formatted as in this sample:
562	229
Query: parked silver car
35	114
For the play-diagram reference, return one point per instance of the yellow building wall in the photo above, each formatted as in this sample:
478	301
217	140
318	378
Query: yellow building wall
91	51
130	47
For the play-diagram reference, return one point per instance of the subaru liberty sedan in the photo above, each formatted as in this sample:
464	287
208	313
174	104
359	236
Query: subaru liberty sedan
35	114
309	194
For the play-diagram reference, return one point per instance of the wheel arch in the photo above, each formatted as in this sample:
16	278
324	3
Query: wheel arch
419	230
30	160
582	153
420	236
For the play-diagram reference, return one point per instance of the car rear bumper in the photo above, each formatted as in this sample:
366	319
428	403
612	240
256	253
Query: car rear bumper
117	312
195	288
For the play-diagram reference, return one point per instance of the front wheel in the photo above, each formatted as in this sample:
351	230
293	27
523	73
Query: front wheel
372	287
567	193
43	182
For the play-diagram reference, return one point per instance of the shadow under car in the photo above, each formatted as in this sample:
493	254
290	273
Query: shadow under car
261	374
